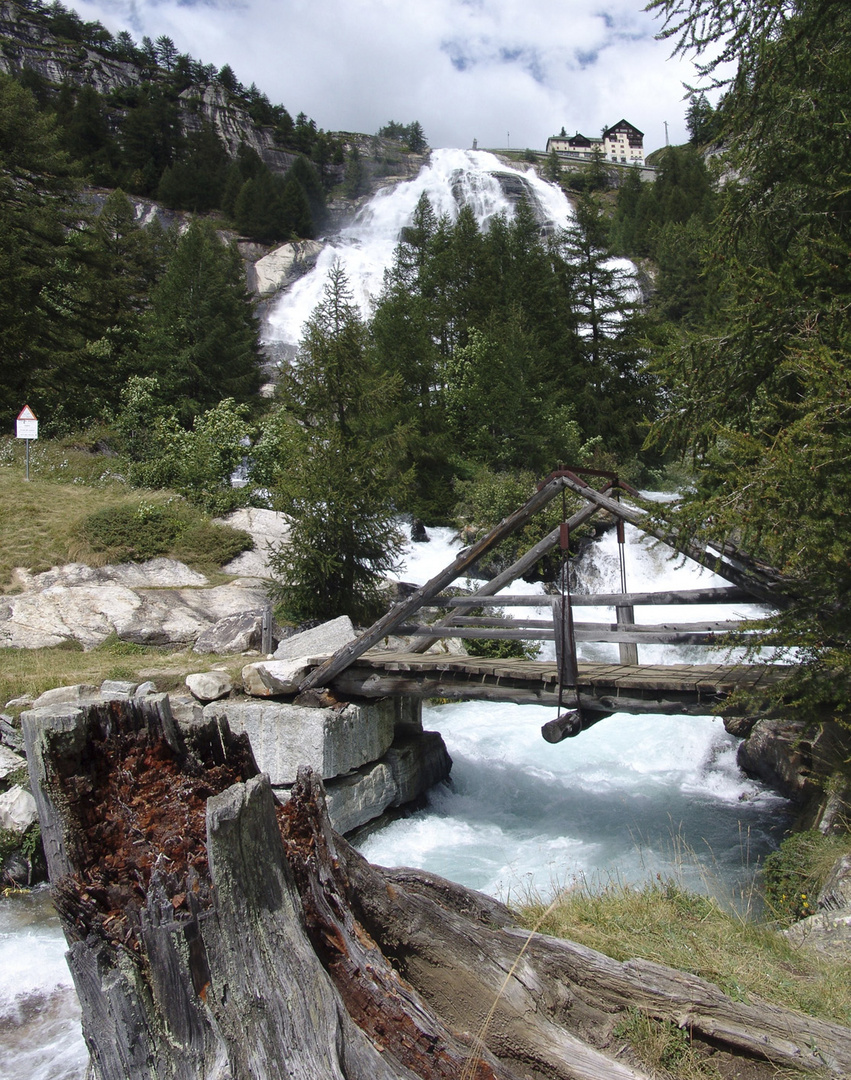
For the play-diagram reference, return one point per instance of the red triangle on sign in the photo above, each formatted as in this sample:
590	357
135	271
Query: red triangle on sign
26	413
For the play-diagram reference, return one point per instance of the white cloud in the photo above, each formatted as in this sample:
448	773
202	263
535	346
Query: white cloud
493	70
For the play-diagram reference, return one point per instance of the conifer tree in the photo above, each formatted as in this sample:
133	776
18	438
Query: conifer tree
758	392
41	309
200	334
328	472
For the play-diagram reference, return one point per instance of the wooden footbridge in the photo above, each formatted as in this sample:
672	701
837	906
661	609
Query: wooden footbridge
582	692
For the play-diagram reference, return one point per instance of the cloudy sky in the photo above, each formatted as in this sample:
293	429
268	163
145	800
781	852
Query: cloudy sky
503	72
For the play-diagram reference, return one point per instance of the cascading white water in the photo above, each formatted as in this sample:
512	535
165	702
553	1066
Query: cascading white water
451	179
40	1036
631	797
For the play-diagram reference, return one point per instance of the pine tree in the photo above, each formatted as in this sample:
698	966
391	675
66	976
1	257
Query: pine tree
328	472
200	334
758	392
42	313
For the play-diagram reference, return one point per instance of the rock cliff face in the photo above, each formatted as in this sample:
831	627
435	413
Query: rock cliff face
27	45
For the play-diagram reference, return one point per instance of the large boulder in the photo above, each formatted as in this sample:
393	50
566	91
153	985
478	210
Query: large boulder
332	741
320	640
361	796
17	809
284	265
267	528
274	678
237	633
779	753
161	602
209	685
10	762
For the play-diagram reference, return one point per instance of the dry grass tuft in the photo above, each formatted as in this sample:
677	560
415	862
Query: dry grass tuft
663	922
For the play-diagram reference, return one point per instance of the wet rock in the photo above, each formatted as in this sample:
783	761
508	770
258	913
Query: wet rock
285	265
418	532
780	754
417	763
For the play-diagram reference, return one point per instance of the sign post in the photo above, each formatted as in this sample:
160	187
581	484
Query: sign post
27	428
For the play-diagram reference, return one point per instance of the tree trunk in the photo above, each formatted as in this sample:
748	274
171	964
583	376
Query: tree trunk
214	934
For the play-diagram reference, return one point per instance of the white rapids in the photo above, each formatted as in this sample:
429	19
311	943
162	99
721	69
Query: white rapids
631	797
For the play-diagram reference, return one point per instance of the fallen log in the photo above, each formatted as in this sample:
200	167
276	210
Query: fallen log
214	934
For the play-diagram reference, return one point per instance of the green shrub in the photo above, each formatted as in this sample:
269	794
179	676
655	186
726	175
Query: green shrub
794	874
147	530
133	533
208	543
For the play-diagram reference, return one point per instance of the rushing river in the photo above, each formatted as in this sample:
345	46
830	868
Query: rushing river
631	797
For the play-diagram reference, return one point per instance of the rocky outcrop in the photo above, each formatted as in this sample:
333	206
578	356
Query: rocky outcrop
267	528
804	760
27	44
828	931
281	267
79	603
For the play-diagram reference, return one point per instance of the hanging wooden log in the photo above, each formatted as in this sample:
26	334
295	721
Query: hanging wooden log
570	724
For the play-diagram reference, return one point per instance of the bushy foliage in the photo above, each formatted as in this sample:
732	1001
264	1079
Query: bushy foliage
150	529
197	462
758	384
794	874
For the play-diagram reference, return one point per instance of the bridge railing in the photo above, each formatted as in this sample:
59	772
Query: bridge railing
478	624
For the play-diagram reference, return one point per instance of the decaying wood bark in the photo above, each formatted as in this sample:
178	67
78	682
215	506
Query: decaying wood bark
214	934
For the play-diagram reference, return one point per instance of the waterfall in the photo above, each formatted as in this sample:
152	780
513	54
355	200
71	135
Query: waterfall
634	794
452	179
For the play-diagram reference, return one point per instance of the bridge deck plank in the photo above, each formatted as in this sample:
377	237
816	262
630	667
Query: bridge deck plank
523	680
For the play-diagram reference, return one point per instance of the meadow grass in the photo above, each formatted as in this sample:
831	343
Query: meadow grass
662	921
47	521
29	672
44	520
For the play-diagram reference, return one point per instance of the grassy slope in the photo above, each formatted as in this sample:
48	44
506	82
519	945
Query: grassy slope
39	523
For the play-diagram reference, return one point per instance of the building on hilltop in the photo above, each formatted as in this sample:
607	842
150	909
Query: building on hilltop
622	143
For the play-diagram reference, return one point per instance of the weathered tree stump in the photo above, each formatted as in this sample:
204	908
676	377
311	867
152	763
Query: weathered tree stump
214	934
